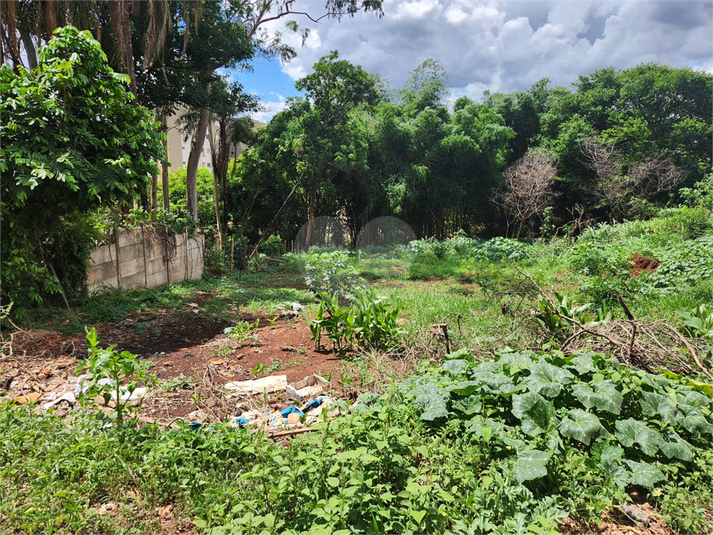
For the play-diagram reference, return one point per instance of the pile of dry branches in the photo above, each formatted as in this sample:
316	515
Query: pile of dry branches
646	345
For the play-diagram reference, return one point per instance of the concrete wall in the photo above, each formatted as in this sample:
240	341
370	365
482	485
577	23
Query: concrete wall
138	259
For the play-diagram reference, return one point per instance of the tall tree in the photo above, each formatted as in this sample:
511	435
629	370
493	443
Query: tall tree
333	91
248	17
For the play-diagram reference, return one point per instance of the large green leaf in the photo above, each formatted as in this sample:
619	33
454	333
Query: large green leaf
581	425
485	427
694	421
644	474
695	399
430	401
495	383
603	396
672	445
610	466
516	362
653	404
455	367
583	363
530	465
547	379
630	432
535	412
468	405
465	388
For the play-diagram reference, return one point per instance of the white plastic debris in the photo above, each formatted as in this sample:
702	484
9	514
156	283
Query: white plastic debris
269	384
308	387
67	396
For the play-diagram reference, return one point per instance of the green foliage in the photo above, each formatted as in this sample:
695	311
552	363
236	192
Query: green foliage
273	246
472	248
690	223
630	427
559	314
177	195
333	272
698	322
684	263
108	369
243	330
509	446
367	322
426	266
72	142
502	249
67	247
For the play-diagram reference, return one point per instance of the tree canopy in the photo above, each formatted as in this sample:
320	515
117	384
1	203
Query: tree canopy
73	140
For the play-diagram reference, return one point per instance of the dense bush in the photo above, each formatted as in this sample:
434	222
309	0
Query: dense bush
333	272
58	160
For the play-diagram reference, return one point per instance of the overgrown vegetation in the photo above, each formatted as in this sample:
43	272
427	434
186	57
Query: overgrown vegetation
513	445
483	439
517	383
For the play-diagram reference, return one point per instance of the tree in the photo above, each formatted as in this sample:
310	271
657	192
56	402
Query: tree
27	22
323	126
155	43
72	141
231	132
529	188
622	187
247	17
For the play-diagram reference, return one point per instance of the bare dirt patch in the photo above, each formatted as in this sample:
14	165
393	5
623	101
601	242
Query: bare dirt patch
642	264
643	521
188	349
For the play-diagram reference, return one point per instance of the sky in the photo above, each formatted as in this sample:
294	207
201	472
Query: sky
498	45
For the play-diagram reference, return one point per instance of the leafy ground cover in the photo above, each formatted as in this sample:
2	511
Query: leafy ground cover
521	390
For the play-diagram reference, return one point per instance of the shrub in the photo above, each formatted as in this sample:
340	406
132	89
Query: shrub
273	246
368	322
332	272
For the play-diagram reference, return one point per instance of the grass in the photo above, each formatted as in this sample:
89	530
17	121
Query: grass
394	467
262	292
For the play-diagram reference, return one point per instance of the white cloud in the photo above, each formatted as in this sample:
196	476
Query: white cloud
270	108
506	45
417	9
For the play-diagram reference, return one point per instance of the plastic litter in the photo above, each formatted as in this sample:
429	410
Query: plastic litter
67	396
314	404
272	383
291	410
308	387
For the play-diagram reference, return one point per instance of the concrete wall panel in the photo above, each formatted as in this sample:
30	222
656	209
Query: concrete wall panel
142	262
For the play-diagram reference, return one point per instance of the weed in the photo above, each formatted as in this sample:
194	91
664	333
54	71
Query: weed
331	273
368	322
243	330
178	383
108	369
698	322
259	370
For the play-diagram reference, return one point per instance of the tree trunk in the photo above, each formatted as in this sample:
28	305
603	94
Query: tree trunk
164	168
120	16
128	47
193	161
154	197
310	213
216	189
29	48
